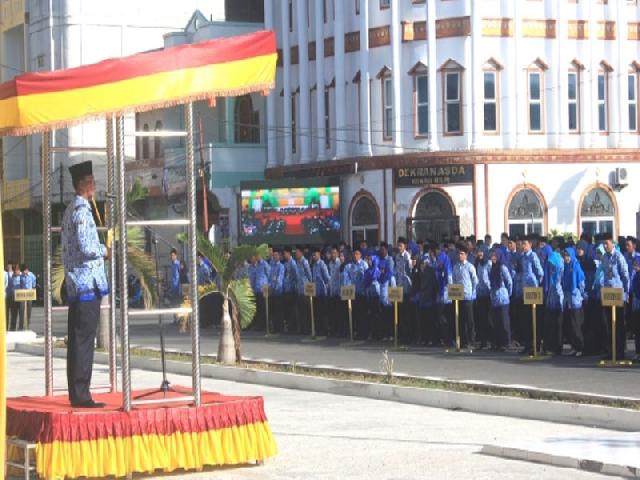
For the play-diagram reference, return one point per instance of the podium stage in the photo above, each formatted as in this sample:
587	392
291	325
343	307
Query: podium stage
164	436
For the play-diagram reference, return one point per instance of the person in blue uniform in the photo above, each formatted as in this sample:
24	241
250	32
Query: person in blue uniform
289	292
464	273
29	282
320	276
428	300
634	292
354	275
276	290
444	313
402	268
387	279
372	293
531	275
553	302
303	275
615	274
16	283
573	285
258	277
175	289
501	286
483	300
335	307
85	283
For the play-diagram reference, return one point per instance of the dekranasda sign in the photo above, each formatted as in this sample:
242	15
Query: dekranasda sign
434	175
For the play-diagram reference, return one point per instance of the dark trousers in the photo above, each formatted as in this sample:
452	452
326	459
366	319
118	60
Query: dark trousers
574	321
370	318
592	327
500	326
481	313
289	312
446	327
320	308
302	315
17	312
518	330
259	319
82	325
553	330
428	324
526	315
620	332
27	313
276	313
467	322
635	320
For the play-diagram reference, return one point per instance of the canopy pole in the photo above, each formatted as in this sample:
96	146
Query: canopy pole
111	216
193	280
122	258
46	251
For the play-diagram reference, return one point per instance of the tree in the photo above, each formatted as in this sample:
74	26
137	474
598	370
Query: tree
235	290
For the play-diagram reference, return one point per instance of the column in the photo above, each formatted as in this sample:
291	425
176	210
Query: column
554	98
286	80
518	101
432	66
396	73
365	107
562	66
475	75
591	103
341	112
619	77
303	75
272	161
320	80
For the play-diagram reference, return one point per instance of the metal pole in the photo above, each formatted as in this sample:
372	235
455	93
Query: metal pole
193	280
124	301
350	321
534	330
613	334
457	326
205	187
46	251
313	320
395	325
111	221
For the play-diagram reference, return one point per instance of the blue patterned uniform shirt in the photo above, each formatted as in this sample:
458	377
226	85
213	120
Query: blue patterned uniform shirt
276	278
82	253
354	275
334	277
465	274
258	275
532	273
290	276
320	275
303	274
615	272
29	280
403	271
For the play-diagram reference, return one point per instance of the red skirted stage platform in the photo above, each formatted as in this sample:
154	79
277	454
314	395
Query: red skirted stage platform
73	442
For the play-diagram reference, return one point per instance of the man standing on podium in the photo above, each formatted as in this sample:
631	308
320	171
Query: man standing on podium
85	282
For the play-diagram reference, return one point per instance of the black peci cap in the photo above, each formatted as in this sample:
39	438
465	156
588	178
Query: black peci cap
79	171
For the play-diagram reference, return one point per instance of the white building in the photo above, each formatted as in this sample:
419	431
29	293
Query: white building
41	35
480	116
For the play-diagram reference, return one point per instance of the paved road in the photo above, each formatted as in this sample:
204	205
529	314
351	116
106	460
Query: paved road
562	373
323	436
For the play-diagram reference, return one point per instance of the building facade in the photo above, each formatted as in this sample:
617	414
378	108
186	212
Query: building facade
447	116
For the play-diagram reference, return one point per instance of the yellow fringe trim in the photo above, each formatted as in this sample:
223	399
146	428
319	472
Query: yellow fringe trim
148	453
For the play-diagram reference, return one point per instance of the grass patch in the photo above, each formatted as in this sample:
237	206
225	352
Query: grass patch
388	378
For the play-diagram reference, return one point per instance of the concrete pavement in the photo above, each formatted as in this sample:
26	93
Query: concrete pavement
560	373
325	436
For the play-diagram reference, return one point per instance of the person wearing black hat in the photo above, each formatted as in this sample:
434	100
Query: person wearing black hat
85	282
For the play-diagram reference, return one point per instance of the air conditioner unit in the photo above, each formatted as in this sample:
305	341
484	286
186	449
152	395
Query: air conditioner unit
621	178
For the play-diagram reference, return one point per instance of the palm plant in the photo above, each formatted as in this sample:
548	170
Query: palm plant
235	290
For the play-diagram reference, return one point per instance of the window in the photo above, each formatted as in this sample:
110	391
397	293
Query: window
365	221
453	103
293	123
525	213
632	90
603	113
291	15
597	212
490	102
324	10
535	101
385	4
145	142
246	121
573	101
422	105
327	118
157	141
357	7
387	116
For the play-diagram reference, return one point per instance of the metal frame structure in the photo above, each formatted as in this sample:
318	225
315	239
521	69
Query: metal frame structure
117	218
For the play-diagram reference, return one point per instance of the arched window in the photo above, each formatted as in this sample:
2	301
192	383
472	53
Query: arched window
157	141
365	222
597	212
434	217
247	122
145	143
526	213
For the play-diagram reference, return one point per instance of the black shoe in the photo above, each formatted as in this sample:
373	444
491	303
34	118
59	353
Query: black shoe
88	404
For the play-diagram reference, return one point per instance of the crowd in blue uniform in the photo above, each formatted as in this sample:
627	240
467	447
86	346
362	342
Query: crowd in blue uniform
493	276
17	277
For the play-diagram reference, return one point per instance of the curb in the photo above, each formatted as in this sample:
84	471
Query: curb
585	464
542	410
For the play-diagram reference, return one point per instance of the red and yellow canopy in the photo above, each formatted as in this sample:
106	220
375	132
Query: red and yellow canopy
36	102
